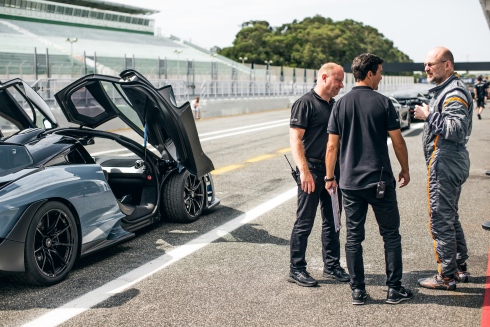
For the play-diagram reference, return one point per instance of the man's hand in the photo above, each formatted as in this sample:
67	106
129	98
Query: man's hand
331	186
307	182
421	112
404	178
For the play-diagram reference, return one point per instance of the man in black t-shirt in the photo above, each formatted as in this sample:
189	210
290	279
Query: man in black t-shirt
357	127
480	94
308	137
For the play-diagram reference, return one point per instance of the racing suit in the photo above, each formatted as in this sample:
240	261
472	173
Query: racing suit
446	132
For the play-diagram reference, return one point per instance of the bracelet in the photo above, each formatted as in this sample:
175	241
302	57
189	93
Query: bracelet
329	179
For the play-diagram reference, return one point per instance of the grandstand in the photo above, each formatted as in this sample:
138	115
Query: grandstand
109	36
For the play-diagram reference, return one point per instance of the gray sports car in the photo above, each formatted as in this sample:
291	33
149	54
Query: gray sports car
62	197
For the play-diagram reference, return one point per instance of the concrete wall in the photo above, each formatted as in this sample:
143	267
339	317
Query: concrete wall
229	107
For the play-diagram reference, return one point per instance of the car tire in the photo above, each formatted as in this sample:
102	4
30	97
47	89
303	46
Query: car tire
51	246
183	197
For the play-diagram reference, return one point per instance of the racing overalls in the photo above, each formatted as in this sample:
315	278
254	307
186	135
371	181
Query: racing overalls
446	132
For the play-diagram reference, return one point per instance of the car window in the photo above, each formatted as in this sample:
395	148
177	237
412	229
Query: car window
7	128
23	103
85	104
122	103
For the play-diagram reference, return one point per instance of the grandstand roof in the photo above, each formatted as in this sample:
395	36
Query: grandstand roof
104	5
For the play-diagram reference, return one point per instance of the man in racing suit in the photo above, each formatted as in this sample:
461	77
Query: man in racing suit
448	123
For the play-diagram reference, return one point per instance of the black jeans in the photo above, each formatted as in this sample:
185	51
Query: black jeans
388	218
305	217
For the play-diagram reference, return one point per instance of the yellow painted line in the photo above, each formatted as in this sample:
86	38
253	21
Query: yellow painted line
286	150
260	158
225	169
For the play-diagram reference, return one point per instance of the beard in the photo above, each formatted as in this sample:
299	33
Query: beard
434	79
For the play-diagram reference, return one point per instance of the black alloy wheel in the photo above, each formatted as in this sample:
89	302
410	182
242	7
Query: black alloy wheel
51	244
184	197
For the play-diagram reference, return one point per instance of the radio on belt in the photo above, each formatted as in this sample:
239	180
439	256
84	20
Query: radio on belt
381	187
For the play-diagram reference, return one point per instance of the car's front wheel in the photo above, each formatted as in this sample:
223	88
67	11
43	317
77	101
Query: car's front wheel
51	244
183	197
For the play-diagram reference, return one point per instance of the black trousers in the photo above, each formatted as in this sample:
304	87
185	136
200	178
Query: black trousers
386	211
305	217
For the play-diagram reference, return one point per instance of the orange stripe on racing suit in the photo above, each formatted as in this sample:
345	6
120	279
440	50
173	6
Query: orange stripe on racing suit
428	195
454	99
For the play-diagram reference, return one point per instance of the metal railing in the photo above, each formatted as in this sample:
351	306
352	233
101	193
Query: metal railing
213	90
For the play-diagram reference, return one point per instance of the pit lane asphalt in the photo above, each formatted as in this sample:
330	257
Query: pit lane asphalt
241	278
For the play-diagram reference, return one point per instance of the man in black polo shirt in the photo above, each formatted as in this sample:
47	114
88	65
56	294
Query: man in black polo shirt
480	94
358	126
308	137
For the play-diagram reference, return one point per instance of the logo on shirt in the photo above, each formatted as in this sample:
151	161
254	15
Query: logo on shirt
294	119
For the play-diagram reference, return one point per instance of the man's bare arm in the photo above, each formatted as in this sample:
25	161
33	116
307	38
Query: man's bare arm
401	153
331	160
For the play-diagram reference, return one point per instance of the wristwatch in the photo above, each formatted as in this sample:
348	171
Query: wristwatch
329	179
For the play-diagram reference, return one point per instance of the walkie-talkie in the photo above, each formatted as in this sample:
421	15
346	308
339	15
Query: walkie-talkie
293	172
381	187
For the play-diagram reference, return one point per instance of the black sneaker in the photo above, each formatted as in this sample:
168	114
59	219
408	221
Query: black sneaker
302	278
337	273
479	116
439	282
395	297
359	296
462	275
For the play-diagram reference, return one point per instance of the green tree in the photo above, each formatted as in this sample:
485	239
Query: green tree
310	43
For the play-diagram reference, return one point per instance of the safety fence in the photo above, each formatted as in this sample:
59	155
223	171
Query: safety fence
209	89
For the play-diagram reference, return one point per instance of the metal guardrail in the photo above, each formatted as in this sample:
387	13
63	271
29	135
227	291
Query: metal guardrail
244	89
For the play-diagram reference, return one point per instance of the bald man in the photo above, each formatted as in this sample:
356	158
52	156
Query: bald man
308	137
448	122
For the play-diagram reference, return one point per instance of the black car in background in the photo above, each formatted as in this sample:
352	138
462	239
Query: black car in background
410	99
403	113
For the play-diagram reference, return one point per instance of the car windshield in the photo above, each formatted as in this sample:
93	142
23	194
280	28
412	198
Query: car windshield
14	158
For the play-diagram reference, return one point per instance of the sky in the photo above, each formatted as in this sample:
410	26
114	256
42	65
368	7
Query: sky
414	26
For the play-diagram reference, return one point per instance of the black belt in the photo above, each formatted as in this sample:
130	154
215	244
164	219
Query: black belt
315	160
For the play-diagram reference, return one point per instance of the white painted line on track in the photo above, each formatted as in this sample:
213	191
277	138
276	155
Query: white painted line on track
243	132
245	127
85	302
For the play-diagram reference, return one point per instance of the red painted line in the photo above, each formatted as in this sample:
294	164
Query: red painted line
485	315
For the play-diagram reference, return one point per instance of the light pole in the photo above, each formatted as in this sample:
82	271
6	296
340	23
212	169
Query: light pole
178	52
243	59
71	51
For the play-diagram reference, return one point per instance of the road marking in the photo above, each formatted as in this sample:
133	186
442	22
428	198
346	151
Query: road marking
85	302
243	132
286	150
260	158
225	169
245	127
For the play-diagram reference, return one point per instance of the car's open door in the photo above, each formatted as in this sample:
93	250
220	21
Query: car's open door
96	99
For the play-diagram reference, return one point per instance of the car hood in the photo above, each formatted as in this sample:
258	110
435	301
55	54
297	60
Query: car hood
22	107
152	113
